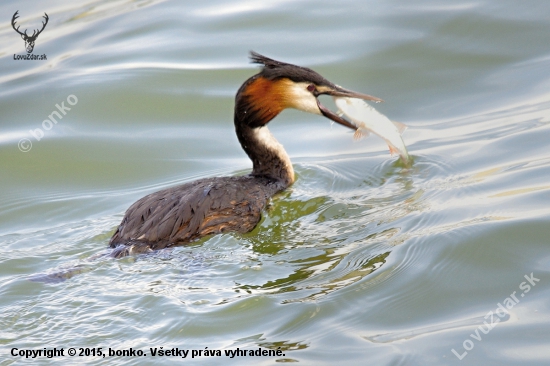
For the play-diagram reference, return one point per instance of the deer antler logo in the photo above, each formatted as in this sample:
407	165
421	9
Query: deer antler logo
29	40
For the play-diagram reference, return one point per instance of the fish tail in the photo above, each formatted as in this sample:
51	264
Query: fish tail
403	154
393	150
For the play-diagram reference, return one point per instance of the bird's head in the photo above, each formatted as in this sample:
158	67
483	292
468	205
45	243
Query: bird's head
279	86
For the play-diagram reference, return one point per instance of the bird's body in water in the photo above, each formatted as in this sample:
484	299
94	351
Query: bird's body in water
185	213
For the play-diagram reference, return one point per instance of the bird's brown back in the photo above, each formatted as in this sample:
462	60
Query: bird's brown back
185	213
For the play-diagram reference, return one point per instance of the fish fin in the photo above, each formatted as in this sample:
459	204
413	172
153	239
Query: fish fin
360	133
401	127
393	150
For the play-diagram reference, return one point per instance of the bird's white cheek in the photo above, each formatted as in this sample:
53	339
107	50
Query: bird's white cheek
302	99
308	105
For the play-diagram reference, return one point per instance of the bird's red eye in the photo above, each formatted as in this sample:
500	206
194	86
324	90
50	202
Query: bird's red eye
311	87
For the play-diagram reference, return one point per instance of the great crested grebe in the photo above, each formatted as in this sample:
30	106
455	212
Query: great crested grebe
185	213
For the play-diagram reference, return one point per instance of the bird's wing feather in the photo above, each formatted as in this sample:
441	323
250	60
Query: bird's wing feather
187	212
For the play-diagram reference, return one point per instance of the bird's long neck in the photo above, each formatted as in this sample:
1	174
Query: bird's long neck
258	101
268	156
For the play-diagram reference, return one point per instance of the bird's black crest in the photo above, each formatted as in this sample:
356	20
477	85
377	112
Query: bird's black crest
256	58
274	69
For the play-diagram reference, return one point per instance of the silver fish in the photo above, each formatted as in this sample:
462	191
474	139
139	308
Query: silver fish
368	120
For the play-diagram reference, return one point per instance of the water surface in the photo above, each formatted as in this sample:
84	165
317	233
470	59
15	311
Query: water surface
361	259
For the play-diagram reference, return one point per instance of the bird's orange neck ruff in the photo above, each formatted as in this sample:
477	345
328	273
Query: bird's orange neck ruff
267	97
261	101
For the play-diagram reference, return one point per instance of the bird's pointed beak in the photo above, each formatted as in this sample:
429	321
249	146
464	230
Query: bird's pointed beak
338	91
